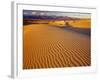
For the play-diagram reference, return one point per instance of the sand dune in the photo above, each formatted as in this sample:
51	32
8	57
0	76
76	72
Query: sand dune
45	46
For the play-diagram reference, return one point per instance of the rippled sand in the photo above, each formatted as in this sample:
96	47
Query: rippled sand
46	46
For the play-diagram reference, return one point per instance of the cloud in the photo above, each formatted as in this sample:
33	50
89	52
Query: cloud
52	13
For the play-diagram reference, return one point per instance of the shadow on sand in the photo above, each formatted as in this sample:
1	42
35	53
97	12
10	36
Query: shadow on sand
85	31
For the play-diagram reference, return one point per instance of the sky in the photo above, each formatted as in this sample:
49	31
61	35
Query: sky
52	13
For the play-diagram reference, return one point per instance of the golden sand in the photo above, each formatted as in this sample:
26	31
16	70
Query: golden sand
45	46
83	23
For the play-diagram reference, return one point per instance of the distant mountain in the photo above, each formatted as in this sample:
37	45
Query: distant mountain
48	17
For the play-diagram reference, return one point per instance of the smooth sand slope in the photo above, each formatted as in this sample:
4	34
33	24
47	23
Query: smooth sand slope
46	46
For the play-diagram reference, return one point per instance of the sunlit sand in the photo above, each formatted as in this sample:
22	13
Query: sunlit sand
48	46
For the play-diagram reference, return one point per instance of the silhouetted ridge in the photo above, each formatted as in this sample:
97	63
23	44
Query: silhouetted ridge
31	17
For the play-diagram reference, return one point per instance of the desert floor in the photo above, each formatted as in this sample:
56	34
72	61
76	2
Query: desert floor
46	46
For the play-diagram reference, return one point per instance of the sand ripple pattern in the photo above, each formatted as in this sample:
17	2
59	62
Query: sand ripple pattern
45	46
